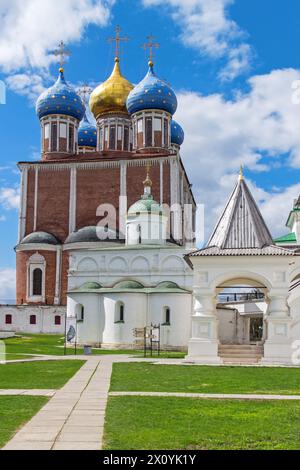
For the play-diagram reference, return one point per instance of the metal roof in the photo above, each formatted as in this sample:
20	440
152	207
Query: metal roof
241	225
265	251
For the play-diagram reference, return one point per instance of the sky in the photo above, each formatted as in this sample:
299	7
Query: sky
234	65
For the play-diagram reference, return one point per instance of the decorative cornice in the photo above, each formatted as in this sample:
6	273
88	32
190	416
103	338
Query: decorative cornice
95	164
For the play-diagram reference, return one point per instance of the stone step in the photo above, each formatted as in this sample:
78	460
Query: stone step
241	354
239	360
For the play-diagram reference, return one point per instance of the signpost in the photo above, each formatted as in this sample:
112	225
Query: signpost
149	336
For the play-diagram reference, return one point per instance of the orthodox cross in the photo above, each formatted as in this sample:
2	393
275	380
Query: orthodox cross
85	92
118	39
62	53
151	44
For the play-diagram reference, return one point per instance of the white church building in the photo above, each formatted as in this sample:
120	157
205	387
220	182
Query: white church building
236	300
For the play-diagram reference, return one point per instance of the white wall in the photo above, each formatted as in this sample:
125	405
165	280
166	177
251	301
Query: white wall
178	333
45	316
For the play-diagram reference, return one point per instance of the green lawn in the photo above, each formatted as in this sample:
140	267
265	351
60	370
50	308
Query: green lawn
205	379
190	424
41	375
16	411
54	345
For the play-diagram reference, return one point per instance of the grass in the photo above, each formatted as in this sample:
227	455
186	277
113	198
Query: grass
16	411
205	379
14	357
41	344
190	424
40	375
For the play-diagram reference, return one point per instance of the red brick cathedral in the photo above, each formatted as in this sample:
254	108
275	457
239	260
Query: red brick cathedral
83	166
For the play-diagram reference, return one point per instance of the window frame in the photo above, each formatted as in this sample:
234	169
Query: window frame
36	261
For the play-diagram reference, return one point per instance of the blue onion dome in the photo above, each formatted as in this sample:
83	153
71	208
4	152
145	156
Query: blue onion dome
87	133
61	98
152	93
177	133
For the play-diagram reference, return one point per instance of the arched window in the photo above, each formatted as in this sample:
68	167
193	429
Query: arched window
139	228
36	271
167	316
120	313
37	281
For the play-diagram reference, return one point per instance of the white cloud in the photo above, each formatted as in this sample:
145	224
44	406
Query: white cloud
253	129
10	198
26	84
206	26
7	284
31	29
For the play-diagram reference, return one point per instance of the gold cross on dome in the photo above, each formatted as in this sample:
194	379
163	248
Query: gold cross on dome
62	53
151	45
85	92
118	39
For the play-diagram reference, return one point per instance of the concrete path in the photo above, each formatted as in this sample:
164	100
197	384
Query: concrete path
207	395
74	416
34	393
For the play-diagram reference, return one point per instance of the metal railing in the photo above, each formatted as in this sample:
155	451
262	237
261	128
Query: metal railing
240	297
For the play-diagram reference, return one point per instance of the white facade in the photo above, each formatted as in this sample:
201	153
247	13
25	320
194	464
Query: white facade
147	267
18	319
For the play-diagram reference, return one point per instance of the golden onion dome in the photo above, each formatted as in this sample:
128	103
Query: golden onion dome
110	96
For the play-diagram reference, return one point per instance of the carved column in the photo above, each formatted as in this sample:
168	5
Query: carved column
278	344
203	345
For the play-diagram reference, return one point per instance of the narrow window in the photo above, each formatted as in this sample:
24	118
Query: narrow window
140	234
8	319
166	133
167	316
101	139
71	138
54	137
121	313
112	138
32	320
57	320
126	138
148	137
37	281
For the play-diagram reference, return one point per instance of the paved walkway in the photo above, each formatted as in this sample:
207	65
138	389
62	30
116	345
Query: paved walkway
34	393
74	417
207	395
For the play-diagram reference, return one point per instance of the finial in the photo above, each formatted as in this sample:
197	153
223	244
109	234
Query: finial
147	183
84	92
118	39
151	45
241	176
62	53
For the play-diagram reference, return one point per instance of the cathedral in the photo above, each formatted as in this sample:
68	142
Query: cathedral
107	235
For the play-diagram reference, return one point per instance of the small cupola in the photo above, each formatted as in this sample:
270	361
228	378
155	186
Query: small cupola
146	222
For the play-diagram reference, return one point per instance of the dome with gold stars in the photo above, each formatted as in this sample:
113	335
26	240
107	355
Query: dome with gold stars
110	97
61	98
152	93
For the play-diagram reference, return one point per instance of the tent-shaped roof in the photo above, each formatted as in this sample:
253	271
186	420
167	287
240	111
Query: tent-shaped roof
241	225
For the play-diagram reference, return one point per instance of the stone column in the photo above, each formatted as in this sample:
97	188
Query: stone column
203	345
278	344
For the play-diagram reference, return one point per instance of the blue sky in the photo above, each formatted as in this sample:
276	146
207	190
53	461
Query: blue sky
231	63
